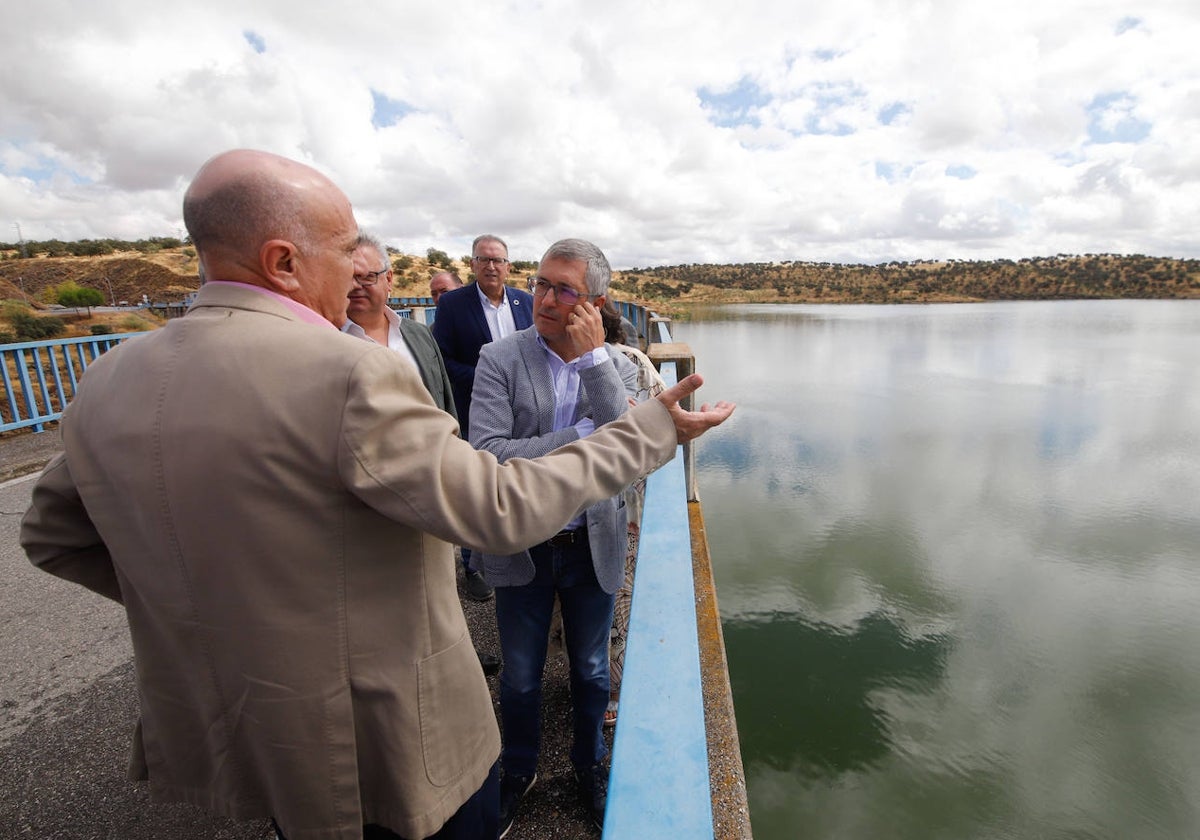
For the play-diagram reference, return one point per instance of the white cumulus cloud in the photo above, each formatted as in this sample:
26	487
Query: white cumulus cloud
860	131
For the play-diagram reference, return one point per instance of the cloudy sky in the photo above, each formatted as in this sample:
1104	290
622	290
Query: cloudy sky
665	131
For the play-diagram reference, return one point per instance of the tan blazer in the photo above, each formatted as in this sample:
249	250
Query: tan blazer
272	501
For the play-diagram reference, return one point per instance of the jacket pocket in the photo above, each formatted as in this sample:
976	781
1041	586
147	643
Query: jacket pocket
455	709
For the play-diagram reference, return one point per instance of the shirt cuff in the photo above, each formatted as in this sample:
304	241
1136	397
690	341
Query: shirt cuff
598	356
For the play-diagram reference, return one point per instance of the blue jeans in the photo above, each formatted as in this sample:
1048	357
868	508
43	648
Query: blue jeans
523	616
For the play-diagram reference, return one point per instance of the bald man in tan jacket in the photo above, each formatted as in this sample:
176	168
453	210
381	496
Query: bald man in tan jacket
273	502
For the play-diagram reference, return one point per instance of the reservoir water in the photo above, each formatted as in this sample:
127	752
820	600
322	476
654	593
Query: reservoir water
957	551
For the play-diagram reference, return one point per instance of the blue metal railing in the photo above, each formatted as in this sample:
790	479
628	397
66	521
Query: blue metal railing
42	377
420	309
659	784
638	315
395	302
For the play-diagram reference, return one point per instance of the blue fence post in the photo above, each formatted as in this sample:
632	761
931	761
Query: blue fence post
26	387
26	380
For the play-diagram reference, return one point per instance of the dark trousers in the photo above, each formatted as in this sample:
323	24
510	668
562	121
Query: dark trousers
523	616
477	819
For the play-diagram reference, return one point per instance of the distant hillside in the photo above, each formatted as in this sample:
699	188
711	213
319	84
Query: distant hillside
165	270
1038	278
163	274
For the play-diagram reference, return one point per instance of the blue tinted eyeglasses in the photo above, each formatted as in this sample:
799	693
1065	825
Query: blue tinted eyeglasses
563	294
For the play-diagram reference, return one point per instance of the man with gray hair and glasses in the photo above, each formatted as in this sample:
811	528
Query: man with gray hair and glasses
537	390
369	317
481	312
468	318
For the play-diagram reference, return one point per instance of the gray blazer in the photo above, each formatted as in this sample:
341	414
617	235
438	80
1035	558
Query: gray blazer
512	416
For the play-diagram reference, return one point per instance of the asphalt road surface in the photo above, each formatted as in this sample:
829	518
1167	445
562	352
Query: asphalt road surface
67	708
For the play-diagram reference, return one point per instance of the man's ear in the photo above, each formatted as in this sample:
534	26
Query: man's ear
598	301
278	260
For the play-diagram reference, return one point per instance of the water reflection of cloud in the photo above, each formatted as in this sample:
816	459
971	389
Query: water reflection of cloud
1048	724
881	436
1028	721
1018	490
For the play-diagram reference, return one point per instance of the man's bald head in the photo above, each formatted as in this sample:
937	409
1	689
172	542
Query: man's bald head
262	219
242	198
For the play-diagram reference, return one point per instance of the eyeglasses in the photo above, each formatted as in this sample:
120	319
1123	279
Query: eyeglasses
563	294
496	261
370	278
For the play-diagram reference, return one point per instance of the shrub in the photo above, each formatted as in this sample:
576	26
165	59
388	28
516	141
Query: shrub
9	308
134	323
7	337
92	247
437	257
32	328
101	329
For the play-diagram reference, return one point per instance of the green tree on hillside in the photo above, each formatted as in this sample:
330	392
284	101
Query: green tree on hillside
440	258
74	295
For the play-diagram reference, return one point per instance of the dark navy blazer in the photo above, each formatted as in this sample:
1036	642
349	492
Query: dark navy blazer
461	328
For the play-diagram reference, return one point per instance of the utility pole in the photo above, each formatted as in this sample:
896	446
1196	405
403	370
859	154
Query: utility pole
112	299
20	240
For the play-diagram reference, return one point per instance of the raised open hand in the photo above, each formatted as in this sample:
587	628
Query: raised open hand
691	424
